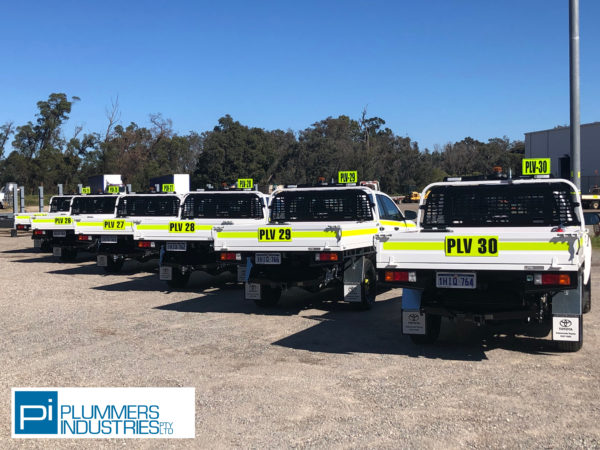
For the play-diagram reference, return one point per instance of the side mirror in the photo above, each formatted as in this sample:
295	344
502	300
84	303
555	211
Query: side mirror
410	215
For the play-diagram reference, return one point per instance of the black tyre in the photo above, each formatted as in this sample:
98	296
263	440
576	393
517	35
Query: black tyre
68	254
45	246
587	296
568	346
269	296
433	325
114	266
179	279
368	287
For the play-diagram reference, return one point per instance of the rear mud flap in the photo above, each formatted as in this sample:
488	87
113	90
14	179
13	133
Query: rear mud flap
353	278
413	322
567	309
166	273
252	291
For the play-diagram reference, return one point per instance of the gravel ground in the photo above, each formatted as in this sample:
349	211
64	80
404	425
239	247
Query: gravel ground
305	374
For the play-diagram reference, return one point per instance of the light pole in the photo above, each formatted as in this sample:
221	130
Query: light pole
574	91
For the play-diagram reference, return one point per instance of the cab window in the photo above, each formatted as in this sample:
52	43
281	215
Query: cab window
388	209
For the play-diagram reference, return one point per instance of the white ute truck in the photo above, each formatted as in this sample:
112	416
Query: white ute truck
59	206
493	250
115	233
316	236
186	242
86	211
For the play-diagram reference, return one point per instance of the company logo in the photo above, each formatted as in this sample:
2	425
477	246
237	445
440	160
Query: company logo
413	317
103	413
565	323
36	412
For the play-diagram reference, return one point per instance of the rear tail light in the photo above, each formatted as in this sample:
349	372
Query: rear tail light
400	275
20	227
327	256
146	244
557	279
39	232
230	256
84	237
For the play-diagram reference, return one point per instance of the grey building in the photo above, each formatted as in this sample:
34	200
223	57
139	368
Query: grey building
555	144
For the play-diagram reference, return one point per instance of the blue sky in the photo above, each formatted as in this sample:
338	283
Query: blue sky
436	71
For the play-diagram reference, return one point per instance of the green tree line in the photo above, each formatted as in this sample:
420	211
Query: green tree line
38	153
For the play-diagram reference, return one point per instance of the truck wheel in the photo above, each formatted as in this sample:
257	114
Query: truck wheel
68	254
570	347
368	287
269	296
179	279
432	331
587	296
114	266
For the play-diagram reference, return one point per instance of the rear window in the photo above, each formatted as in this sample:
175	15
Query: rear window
60	204
94	205
148	205
523	205
222	206
325	205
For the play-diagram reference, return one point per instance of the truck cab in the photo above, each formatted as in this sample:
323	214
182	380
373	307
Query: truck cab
316	236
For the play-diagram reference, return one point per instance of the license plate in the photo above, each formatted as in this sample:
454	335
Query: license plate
57	251
102	261
452	280
176	246
59	234
108	239
165	273
268	258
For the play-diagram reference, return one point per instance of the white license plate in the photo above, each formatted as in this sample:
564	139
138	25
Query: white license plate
59	234
102	261
176	246
57	251
165	273
268	258
456	280
252	291
109	239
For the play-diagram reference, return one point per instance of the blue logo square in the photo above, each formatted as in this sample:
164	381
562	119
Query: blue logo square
36	412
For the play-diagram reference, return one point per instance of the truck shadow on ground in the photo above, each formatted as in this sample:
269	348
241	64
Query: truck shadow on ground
378	331
129	268
345	330
22	251
199	282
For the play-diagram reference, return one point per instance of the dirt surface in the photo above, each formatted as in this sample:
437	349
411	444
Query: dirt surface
305	374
